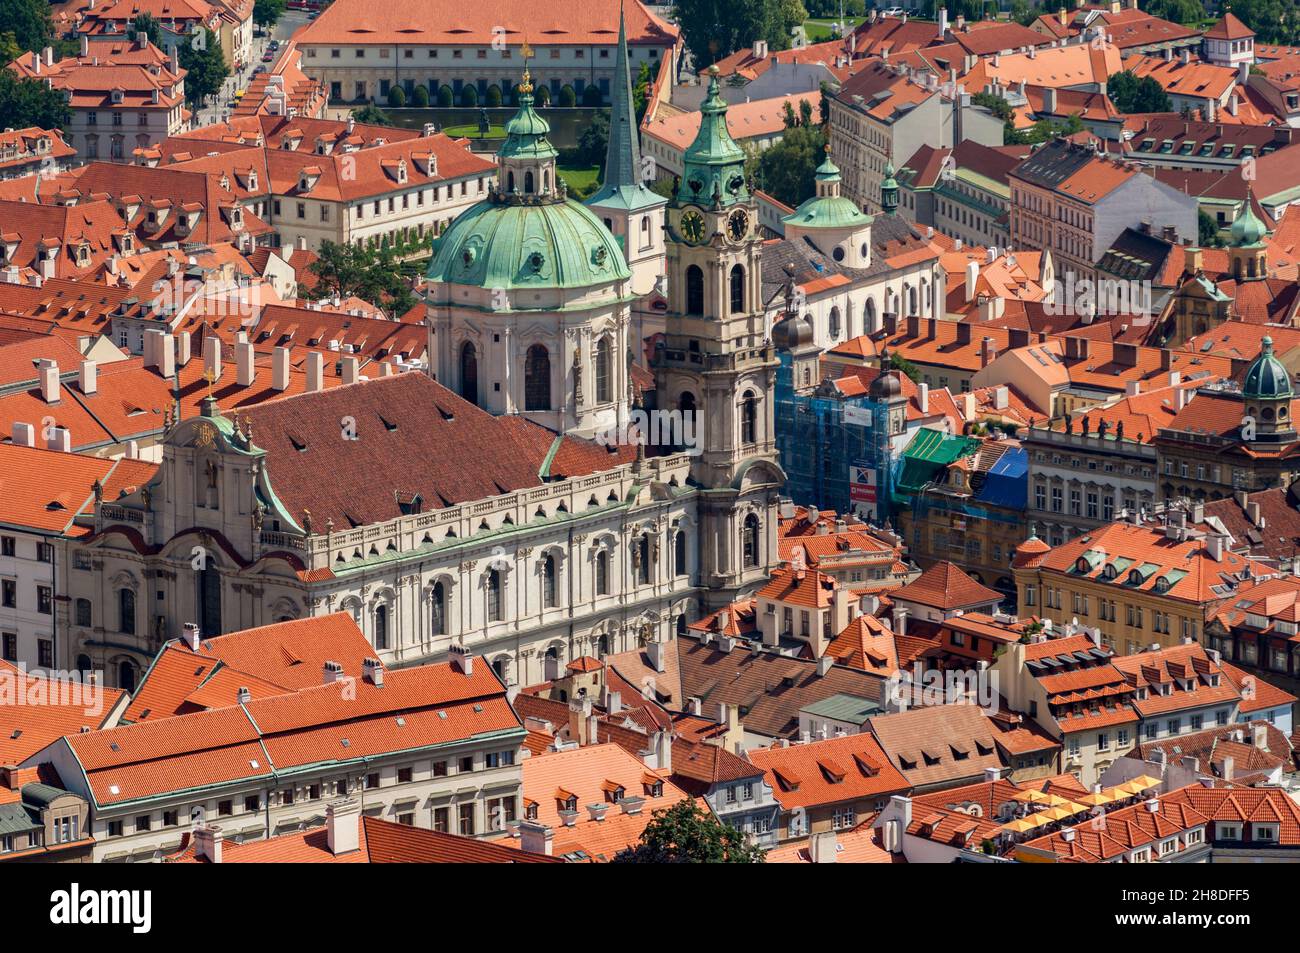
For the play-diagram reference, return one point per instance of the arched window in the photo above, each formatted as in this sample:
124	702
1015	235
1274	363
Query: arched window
494	595
602	646
911	299
537	379
602	573
381	626
499	666
871	317
209	582
737	289
749	419
510	181
85	615
603	369
694	290
679	553
83	663
835	322
438	616
528	182
686	404
469	372
749	543
126	611
126	676
546	181
548	581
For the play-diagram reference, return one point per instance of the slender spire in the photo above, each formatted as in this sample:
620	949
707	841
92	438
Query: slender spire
623	158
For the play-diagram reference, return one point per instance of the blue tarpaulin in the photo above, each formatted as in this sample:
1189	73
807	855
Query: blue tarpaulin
1007	482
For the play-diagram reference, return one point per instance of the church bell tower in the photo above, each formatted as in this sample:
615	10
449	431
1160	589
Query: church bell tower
715	365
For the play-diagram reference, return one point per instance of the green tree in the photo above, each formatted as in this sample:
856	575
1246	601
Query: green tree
594	141
592	96
396	96
542	95
715	29
684	834
641	91
469	95
29	102
372	115
493	96
267	12
445	96
9	48
420	96
371	273
29	22
906	367
787	169
1133	95
1207	230
567	96
145	25
206	68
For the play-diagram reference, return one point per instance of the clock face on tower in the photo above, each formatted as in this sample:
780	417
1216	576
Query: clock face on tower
738	225
693	227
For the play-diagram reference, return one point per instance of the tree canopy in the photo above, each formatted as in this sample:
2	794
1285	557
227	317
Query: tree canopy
786	171
29	102
369	273
715	29
1133	95
684	834
267	12
28	21
207	70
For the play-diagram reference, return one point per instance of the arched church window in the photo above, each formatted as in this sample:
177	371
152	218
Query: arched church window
749	419
469	372
694	290
537	379
749	542
603	389
737	289
438	613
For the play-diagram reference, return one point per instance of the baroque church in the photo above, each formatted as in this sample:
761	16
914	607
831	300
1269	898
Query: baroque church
470	506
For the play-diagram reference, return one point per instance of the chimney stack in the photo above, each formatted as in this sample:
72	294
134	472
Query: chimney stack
280	370
351	370
88	380
48	372
343	826
461	658
212	357
331	672
207	843
190	636
315	371
537	838
244	372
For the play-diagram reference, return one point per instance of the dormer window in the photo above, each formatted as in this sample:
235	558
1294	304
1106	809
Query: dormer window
252	181
83	254
117	96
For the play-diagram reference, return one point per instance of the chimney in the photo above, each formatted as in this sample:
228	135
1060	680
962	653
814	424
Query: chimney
88	379
280	369
190	636
972	278
331	672
900	621
24	435
1049	101
461	658
244	371
1252	512
824	665
597	811
943	22
923	397
207	843
987	352
372	670
537	838
242	695
315	371
182	348
613	702
60	440
657	653
343	826
212	357
351	370
822	848
48	371
1259	735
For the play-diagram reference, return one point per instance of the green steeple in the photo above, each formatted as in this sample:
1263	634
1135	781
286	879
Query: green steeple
526	132
715	165
828	209
624	186
1247	229
889	191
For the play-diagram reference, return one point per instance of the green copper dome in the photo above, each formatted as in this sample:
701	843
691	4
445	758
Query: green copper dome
889	191
1247	229
1267	378
828	209
527	233
502	244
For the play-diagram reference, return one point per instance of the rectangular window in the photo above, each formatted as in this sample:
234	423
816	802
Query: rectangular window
467	820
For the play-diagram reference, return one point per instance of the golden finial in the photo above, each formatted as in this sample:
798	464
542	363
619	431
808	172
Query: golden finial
526	51
210	376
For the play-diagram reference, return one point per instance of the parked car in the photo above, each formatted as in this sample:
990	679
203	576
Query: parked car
892	12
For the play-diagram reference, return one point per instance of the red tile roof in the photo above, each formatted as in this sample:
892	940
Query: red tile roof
946	586
821	773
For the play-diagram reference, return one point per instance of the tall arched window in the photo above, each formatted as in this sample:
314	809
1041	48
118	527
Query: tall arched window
694	290
438	615
602	573
126	611
603	369
749	419
494	595
679	553
737	289
749	544
469	372
537	379
499	666
686	404
548	581
381	626
85	613
510	181
209	582
528	182
835	322
126	676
